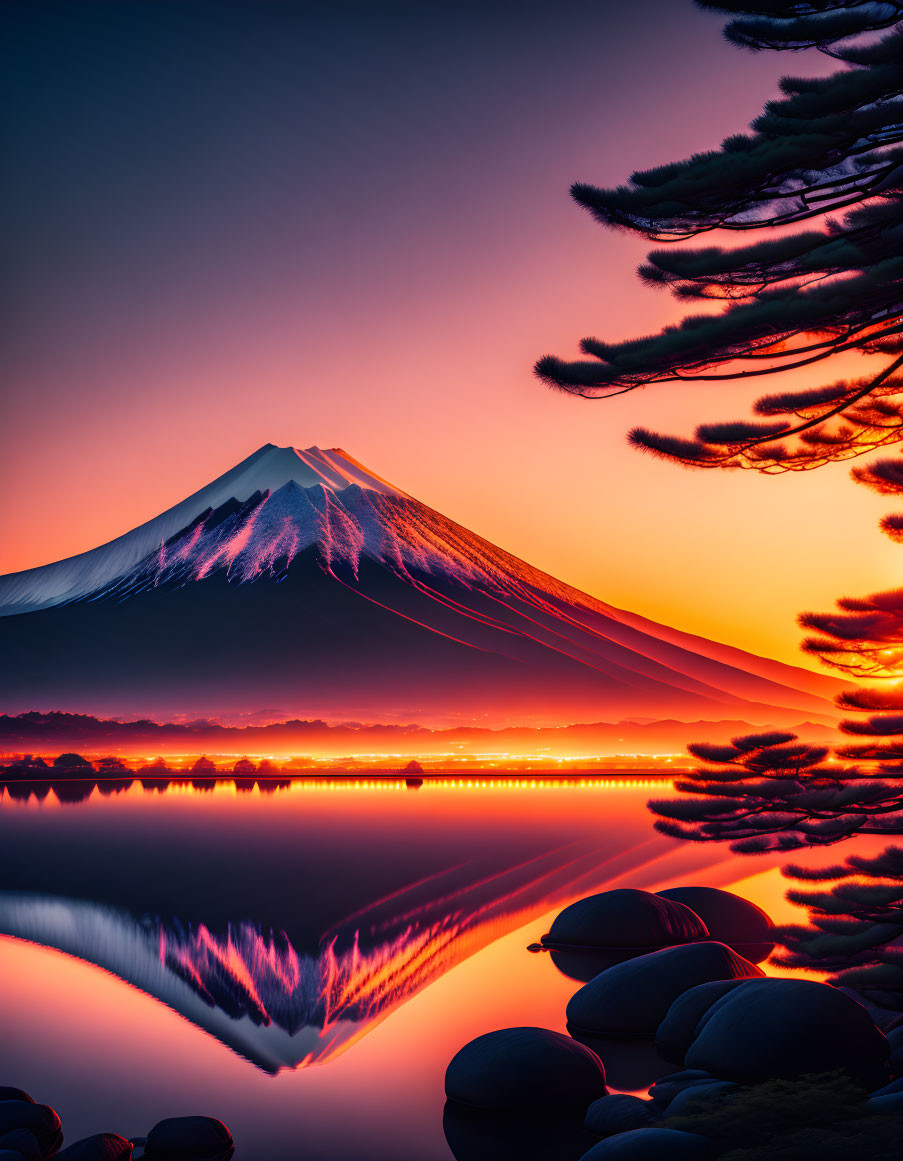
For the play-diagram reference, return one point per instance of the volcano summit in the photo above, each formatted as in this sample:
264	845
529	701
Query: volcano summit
302	583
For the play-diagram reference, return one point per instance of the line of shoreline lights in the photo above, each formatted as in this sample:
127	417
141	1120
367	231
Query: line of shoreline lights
227	788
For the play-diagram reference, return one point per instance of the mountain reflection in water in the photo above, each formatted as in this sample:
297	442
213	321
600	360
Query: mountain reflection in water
279	1006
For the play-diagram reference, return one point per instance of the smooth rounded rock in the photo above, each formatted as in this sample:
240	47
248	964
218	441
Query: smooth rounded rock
677	1031
889	1105
895	1040
38	1119
785	1028
633	998
617	1113
650	1145
697	1096
525	1070
623	924
730	919
666	1088
14	1094
631	1063
22	1142
473	1136
100	1147
200	1138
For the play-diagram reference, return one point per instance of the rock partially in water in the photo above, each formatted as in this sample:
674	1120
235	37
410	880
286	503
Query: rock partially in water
666	1089
633	998
730	919
785	1028
584	964
100	1147
696	1096
526	1071
677	1031
191	1138
650	1145
617	1113
614	926
630	1063
475	1136
40	1120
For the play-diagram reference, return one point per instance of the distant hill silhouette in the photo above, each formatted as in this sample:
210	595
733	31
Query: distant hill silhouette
45	732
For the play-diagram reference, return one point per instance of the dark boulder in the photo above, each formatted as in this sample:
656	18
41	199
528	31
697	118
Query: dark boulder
614	926
525	1070
194	1138
582	964
476	1136
631	1063
785	1028
889	1105
633	998
730	919
666	1088
699	1096
895	1040
650	1145
617	1113
21	1142
38	1119
7	1093
677	1031
100	1147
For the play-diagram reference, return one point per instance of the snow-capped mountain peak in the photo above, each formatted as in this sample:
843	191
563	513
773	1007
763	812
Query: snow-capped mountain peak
301	576
269	469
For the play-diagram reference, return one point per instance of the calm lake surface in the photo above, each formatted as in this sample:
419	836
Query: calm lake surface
303	963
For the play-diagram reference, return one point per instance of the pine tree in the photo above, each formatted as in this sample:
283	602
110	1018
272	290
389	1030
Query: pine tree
856	928
769	792
831	145
828	152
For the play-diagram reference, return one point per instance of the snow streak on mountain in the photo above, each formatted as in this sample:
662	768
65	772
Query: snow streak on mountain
301	583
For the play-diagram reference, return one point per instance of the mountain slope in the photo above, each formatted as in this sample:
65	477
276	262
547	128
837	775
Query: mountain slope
303	583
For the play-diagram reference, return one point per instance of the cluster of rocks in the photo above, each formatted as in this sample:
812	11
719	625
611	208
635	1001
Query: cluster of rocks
33	1132
679	976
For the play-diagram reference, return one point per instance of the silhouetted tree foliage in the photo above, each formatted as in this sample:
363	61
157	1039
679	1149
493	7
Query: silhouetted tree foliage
831	145
856	926
770	792
828	152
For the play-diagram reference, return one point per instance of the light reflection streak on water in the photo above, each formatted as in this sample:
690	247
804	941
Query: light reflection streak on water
227	788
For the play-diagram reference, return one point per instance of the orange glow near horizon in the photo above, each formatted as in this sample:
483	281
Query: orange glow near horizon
109	425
